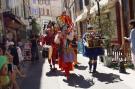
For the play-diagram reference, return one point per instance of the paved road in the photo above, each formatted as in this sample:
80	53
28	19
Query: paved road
39	77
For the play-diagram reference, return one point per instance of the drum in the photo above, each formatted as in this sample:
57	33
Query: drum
94	47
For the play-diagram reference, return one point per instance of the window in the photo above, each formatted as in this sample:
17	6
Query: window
47	10
47	2
86	2
35	11
81	4
34	1
44	10
125	6
43	1
40	1
41	11
7	4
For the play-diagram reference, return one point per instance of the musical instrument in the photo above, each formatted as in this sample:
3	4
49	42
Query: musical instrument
93	40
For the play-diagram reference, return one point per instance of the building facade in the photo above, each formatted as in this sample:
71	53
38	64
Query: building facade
12	18
119	12
111	16
46	10
81	12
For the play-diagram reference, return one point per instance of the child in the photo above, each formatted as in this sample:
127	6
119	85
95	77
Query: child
4	78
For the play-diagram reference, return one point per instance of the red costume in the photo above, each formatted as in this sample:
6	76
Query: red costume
66	52
53	53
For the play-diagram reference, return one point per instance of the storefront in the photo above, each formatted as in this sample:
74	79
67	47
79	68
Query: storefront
12	25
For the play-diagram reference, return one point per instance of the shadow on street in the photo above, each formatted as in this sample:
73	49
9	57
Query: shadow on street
54	73
79	81
107	78
81	67
33	75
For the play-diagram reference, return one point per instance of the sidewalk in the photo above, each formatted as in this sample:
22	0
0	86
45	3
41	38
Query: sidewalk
128	79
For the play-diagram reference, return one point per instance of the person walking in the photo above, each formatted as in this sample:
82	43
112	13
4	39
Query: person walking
66	53
34	47
92	47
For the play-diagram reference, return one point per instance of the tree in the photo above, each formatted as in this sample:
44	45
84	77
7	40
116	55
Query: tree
107	26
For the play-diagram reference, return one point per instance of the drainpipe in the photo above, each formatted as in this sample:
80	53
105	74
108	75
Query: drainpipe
71	4
24	8
98	13
2	22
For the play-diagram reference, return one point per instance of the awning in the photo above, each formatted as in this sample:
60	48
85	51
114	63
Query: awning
101	4
105	11
13	25
83	15
13	17
25	22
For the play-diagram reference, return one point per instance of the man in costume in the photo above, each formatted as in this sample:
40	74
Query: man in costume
66	51
92	47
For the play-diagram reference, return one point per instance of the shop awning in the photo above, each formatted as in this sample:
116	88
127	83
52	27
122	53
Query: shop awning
102	3
13	25
83	15
11	17
25	22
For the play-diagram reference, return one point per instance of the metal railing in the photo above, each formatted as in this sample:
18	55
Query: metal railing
118	54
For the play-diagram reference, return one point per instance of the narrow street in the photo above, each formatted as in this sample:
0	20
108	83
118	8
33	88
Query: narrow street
39	77
65	28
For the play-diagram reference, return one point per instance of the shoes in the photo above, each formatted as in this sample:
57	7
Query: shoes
90	71
50	67
54	69
76	66
94	71
78	63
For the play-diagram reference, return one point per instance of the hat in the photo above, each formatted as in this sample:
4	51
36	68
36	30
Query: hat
3	60
89	26
11	43
132	21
